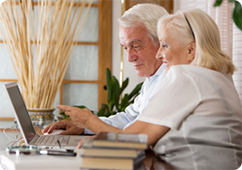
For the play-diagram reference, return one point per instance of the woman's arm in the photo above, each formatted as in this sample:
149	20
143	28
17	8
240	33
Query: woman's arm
84	118
153	131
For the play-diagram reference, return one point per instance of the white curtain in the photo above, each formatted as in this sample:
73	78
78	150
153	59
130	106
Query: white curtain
231	35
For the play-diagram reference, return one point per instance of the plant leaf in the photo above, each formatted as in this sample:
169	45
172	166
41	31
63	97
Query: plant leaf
237	15
110	104
81	106
135	90
64	115
217	3
108	78
132	101
124	85
124	103
116	92
102	111
111	99
110	88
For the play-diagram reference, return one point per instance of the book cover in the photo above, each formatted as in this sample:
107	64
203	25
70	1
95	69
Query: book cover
104	163
120	140
112	163
88	150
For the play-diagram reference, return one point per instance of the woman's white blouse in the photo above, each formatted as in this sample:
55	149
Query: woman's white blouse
203	110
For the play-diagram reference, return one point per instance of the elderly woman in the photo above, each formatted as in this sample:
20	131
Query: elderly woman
194	121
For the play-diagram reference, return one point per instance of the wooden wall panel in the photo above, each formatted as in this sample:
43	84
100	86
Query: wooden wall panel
105	47
167	4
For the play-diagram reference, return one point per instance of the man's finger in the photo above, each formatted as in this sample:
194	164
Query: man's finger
47	128
68	112
67	132
64	107
57	125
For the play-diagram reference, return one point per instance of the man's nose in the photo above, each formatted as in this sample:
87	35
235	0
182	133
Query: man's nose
131	55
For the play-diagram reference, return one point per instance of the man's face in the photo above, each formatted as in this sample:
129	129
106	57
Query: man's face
140	50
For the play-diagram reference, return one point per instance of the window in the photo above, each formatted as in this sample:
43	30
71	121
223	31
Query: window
85	78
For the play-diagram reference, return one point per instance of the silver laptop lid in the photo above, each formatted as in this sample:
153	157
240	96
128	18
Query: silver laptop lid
20	112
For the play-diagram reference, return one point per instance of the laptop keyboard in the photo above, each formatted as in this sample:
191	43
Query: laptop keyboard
52	140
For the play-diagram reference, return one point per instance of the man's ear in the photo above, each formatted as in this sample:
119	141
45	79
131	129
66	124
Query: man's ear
191	51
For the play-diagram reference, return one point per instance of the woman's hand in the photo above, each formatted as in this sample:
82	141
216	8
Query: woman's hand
78	116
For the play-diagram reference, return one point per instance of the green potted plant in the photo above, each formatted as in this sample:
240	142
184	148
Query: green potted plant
117	103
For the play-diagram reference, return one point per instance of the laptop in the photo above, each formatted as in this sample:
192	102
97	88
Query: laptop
27	129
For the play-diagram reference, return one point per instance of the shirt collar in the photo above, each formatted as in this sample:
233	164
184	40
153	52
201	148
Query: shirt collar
161	70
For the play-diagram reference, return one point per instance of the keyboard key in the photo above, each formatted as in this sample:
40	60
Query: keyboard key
44	141
65	140
54	141
39	140
49	141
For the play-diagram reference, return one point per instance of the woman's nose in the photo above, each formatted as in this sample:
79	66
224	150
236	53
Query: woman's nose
159	54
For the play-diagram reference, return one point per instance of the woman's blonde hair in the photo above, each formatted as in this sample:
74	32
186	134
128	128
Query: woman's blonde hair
206	36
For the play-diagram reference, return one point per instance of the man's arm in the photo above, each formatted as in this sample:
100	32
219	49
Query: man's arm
120	120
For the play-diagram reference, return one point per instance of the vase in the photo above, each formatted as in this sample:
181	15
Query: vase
41	116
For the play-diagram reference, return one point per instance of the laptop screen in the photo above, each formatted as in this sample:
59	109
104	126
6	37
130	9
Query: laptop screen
21	112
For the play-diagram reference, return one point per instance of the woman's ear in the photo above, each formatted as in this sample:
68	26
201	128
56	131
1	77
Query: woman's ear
191	51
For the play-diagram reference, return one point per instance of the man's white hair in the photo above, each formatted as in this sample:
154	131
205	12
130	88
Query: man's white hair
146	15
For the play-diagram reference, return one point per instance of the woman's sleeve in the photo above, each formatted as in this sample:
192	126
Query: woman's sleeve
178	98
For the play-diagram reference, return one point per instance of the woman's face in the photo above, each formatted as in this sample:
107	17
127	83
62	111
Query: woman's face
171	50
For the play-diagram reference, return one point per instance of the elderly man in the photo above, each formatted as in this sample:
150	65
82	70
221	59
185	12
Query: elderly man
138	36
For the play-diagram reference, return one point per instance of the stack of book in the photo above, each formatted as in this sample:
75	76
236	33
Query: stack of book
110	150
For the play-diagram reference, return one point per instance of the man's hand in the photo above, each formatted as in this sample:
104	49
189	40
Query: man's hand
70	128
79	117
84	118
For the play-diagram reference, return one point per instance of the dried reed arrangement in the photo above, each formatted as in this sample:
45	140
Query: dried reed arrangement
39	37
